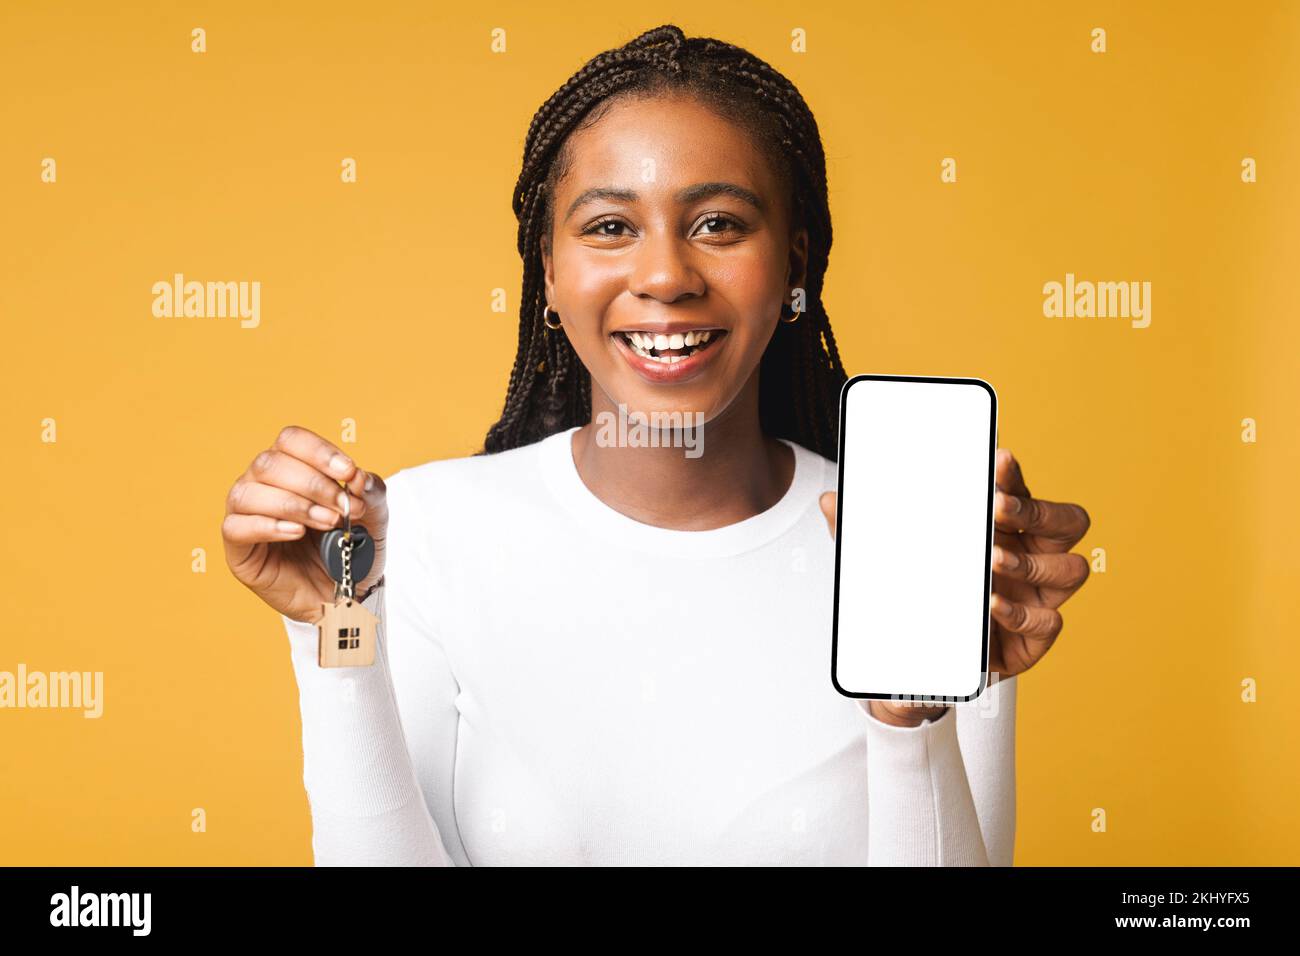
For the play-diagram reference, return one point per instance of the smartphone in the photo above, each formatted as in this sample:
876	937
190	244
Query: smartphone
914	538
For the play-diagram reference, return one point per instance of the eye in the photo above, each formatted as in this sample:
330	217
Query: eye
607	226
719	224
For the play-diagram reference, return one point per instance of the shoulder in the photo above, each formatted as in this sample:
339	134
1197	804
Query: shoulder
450	486
461	511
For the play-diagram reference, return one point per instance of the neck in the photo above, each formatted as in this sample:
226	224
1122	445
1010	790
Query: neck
741	473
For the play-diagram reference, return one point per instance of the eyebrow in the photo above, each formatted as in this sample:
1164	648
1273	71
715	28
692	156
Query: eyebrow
688	195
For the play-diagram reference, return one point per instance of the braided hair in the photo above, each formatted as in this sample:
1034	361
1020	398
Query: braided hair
800	374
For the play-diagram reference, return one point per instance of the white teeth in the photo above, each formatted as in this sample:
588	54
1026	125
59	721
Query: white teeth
642	342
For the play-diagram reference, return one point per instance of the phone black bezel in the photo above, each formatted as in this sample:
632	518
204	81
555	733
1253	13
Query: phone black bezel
988	549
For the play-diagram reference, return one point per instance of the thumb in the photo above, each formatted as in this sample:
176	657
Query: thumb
375	493
828	501
370	488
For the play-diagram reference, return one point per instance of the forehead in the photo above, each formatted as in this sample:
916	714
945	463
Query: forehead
664	142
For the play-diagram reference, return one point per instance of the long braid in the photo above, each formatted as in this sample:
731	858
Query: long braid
801	373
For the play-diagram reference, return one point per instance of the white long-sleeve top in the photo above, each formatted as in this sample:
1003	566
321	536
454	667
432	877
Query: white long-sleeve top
557	683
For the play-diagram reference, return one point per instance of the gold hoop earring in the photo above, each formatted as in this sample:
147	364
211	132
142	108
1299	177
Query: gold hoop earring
548	324
794	316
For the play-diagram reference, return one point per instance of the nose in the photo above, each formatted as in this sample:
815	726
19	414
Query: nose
663	270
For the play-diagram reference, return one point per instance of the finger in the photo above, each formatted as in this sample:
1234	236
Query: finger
1038	623
827	502
1008	539
1055	526
357	484
1007	475
255	498
356	507
373	503
1013	582
283	470
240	529
322	455
1041	570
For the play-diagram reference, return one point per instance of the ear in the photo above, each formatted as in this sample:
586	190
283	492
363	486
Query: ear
798	262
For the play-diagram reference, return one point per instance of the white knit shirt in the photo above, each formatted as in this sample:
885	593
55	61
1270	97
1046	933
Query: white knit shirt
557	683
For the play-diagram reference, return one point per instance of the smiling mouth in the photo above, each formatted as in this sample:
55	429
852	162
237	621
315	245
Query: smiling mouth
669	349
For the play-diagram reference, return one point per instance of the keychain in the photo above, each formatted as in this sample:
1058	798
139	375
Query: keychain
347	629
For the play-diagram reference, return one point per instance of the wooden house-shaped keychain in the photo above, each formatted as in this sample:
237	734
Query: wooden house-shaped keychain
347	635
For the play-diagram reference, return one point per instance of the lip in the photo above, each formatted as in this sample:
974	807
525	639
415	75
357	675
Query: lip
660	373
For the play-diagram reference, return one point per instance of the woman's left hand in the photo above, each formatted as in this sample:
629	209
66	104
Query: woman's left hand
1034	573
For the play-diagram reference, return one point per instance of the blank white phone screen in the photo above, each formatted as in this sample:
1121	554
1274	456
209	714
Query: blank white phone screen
914	535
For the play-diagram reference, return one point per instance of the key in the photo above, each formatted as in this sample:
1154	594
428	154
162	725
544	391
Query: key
347	629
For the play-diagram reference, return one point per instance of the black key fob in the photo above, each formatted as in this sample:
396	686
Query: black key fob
363	553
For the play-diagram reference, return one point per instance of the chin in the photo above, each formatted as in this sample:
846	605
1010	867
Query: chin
688	408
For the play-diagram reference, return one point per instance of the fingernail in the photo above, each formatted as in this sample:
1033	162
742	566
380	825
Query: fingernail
1008	559
1013	504
340	464
288	527
322	514
370	481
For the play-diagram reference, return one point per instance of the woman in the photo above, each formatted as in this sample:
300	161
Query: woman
594	652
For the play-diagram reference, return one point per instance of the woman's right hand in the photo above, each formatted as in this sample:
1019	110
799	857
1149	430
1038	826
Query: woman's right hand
280	508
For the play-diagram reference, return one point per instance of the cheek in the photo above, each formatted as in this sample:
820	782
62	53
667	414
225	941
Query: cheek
753	286
586	284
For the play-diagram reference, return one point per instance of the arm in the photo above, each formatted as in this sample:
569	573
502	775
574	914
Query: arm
944	793
920	808
367	805
986	731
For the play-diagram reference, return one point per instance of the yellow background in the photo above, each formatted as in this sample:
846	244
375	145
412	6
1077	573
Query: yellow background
376	306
